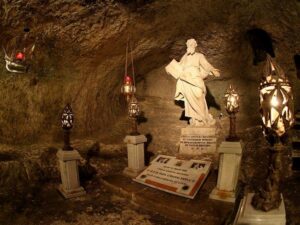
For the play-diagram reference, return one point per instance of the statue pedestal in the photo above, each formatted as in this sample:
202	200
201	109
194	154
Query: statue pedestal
198	140
136	155
70	186
250	216
229	166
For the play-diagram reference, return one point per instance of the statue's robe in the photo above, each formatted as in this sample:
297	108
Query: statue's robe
190	88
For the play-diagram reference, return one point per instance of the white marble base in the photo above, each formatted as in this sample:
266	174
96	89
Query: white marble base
226	196
132	173
229	165
136	154
196	140
247	215
71	193
70	186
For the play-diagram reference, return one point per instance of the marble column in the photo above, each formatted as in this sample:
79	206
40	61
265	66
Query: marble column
136	154
229	166
68	164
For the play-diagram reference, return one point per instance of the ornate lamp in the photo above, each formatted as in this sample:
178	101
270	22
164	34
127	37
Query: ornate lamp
67	119
17	56
276	108
134	112
232	101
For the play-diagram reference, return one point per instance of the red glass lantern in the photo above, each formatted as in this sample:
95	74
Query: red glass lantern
128	88
20	56
18	53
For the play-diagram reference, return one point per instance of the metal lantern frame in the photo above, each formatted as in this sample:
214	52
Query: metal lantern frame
276	108
67	117
276	105
232	100
232	104
67	120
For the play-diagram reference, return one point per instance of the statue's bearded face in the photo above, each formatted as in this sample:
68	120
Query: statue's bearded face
191	49
191	45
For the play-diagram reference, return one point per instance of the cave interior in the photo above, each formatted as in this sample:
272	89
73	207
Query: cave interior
74	53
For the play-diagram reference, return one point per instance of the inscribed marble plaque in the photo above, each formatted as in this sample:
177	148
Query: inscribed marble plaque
198	140
176	176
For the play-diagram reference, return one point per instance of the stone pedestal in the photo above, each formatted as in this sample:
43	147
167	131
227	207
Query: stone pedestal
198	140
136	154
229	166
68	164
250	216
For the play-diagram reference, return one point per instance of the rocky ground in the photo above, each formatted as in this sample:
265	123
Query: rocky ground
29	182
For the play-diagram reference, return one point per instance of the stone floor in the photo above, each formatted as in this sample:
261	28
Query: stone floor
200	210
29	177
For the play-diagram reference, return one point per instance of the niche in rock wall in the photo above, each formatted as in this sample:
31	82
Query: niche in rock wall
261	43
297	64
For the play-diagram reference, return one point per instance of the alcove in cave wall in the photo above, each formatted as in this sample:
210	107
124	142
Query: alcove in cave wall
261	43
79	58
297	64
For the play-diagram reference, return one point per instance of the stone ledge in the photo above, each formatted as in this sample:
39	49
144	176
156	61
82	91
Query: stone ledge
200	210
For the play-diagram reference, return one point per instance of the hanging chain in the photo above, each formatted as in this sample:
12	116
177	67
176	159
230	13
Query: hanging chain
132	66
126	58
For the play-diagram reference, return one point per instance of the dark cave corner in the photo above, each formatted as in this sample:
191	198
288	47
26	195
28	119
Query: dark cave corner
211	100
261	43
297	64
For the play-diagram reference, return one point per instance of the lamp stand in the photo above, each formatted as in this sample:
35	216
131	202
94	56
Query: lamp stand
267	205
67	146
134	129
269	197
232	131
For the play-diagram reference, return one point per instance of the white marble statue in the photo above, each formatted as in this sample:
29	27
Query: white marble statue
190	73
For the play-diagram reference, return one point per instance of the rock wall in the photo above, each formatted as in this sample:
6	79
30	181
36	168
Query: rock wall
79	58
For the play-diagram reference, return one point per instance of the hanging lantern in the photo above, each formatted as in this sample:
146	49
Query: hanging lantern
17	56
133	108
276	100
67	118
232	100
128	88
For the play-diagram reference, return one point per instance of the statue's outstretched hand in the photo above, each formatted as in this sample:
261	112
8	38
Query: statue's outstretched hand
216	72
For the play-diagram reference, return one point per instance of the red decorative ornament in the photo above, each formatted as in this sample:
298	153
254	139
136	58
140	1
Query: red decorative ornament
20	56
127	80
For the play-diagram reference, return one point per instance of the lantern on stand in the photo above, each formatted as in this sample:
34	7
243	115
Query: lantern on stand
134	112
230	153
135	141
277	112
232	104
67	119
18	55
68	160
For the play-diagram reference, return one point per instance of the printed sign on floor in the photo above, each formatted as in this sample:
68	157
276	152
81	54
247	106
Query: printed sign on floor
176	176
